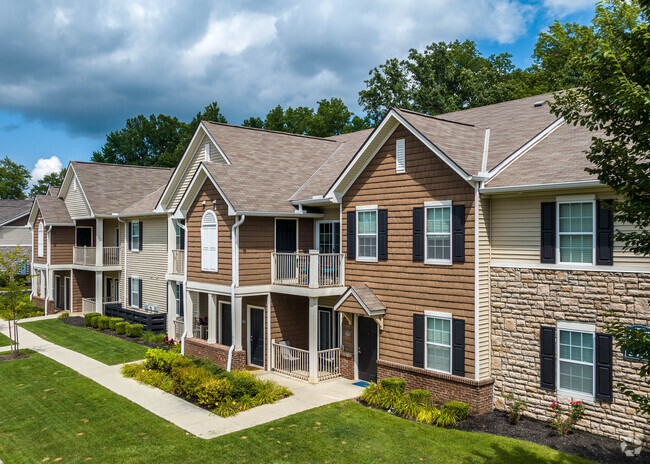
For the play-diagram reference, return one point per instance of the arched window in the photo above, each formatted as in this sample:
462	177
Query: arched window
40	239
209	239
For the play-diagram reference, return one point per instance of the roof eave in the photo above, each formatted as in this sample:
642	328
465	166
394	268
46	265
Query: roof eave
532	187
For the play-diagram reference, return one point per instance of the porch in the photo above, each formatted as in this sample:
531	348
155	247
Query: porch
89	305
88	256
296	362
308	270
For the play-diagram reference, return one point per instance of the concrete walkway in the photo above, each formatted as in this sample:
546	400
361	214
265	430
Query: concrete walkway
185	415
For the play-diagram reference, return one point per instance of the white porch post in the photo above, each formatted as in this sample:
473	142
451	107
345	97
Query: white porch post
188	315
99	242
313	268
313	340
237	320
171	308
212	318
99	298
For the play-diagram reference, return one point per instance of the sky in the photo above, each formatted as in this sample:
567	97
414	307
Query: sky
71	72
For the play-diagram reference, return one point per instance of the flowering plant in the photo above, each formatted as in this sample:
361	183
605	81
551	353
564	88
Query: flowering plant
168	341
563	422
515	406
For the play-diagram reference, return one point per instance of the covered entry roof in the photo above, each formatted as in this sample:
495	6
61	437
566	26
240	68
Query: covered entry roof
359	299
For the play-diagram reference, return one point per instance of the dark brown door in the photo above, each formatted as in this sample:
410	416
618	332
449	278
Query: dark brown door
367	349
285	235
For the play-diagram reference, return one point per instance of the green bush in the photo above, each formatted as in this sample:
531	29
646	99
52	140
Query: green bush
393	384
211	367
408	407
134	330
114	320
372	394
120	327
153	337
95	321
422	397
213	391
457	409
446	419
102	322
189	380
161	360
89	317
63	315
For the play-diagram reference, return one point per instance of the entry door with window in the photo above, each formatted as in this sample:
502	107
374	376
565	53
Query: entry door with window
328	329
256	329
84	237
367	349
329	237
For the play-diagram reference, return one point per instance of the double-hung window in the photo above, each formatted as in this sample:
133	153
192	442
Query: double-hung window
135	292
576	232
438	234
40	239
179	299
576	361
367	234
136	239
438	343
180	236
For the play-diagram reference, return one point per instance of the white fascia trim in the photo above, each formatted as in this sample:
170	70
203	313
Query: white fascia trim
527	146
559	185
154	213
577	326
438	314
14	218
33	213
188	196
279	214
221	152
565	267
314	201
486	150
347	294
367	208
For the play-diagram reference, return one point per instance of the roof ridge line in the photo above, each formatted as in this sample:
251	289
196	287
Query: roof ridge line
438	118
120	165
316	171
304	136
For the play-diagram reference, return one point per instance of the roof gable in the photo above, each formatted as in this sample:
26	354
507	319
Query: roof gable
11	210
360	299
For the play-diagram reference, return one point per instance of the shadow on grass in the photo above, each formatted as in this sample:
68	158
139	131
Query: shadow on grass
515	453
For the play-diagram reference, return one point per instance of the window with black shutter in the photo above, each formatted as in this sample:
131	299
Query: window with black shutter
604	233
418	340
458	233
458	344
547	251
604	375
351	234
547	357
418	233
382	234
141	294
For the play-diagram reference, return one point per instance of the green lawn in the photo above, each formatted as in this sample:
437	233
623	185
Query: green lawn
4	340
52	412
99	346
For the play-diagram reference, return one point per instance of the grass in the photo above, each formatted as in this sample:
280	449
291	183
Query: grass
4	340
53	413
99	346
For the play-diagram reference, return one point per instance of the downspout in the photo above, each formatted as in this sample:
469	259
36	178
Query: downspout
31	265
126	238
47	268
477	306
182	226
235	283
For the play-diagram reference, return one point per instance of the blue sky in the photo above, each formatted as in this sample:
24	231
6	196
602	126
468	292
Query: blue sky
73	71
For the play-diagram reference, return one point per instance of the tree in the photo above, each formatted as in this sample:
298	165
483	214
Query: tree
10	264
14	179
54	179
253	122
614	103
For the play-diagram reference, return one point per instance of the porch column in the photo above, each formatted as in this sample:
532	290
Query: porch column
99	242
99	294
313	269
188	315
237	322
171	309
313	340
49	284
212	318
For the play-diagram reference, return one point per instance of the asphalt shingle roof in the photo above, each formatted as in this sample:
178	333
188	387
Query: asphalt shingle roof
12	209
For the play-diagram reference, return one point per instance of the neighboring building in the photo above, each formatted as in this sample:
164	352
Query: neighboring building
14	230
93	237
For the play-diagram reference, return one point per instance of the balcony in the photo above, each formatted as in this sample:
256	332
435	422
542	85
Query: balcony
178	262
308	270
88	305
294	362
87	256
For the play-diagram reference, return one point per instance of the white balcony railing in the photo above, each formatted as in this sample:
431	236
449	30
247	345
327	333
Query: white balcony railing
87	256
313	270
178	261
88	305
294	362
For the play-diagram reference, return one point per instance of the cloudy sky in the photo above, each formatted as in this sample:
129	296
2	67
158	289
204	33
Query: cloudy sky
71	71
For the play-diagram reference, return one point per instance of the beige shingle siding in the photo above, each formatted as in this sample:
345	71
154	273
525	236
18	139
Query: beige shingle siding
76	203
516	230
196	158
484	289
150	264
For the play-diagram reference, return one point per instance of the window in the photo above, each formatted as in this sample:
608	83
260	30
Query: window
576	232
179	299
438	234
40	239
367	235
576	361
329	239
400	160
135	292
180	236
438	344
209	241
117	237
629	354
135	236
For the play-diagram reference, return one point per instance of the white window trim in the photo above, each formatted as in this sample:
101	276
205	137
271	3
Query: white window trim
216	229
400	145
558	234
437	315
178	289
317	229
133	248
135	278
432	205
583	328
41	235
368	259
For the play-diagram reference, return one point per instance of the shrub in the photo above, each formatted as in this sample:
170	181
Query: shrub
209	366
422	397
63	315
153	337
456	409
89	317
160	359
120	327
393	384
446	418
514	406
130	370
390	399
189	380
408	407
243	385
213	391
428	415
134	330
114	320
563	422
102	322
372	394
95	321
226	408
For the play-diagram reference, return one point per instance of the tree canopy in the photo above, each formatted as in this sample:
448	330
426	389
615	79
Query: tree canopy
54	179
14	179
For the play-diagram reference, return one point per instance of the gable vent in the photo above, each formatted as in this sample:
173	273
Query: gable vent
207	152
74	183
400	160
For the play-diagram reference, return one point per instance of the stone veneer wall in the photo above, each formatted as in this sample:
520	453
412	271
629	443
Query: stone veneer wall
216	353
347	365
525	299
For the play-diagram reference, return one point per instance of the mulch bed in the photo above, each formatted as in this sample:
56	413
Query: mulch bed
11	357
584	444
78	321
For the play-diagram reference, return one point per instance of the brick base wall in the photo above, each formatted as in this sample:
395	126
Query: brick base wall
347	365
525	299
40	302
443	387
216	353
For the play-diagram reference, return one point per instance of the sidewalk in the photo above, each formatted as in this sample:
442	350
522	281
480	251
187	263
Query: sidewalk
185	415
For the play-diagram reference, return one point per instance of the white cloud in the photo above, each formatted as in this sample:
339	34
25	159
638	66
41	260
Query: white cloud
45	166
567	7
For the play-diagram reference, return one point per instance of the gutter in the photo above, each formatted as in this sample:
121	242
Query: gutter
235	283
126	238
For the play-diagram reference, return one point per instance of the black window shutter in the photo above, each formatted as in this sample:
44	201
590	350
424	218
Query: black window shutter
129	292
458	347
547	356
604	366
418	233
130	233
418	340
141	241
547	251
382	234
352	234
458	233
604	234
140	286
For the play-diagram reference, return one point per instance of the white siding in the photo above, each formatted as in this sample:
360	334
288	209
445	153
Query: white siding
76	203
15	236
484	289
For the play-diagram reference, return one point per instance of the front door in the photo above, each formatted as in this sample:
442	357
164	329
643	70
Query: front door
367	349
225	324
84	237
256	336
286	235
